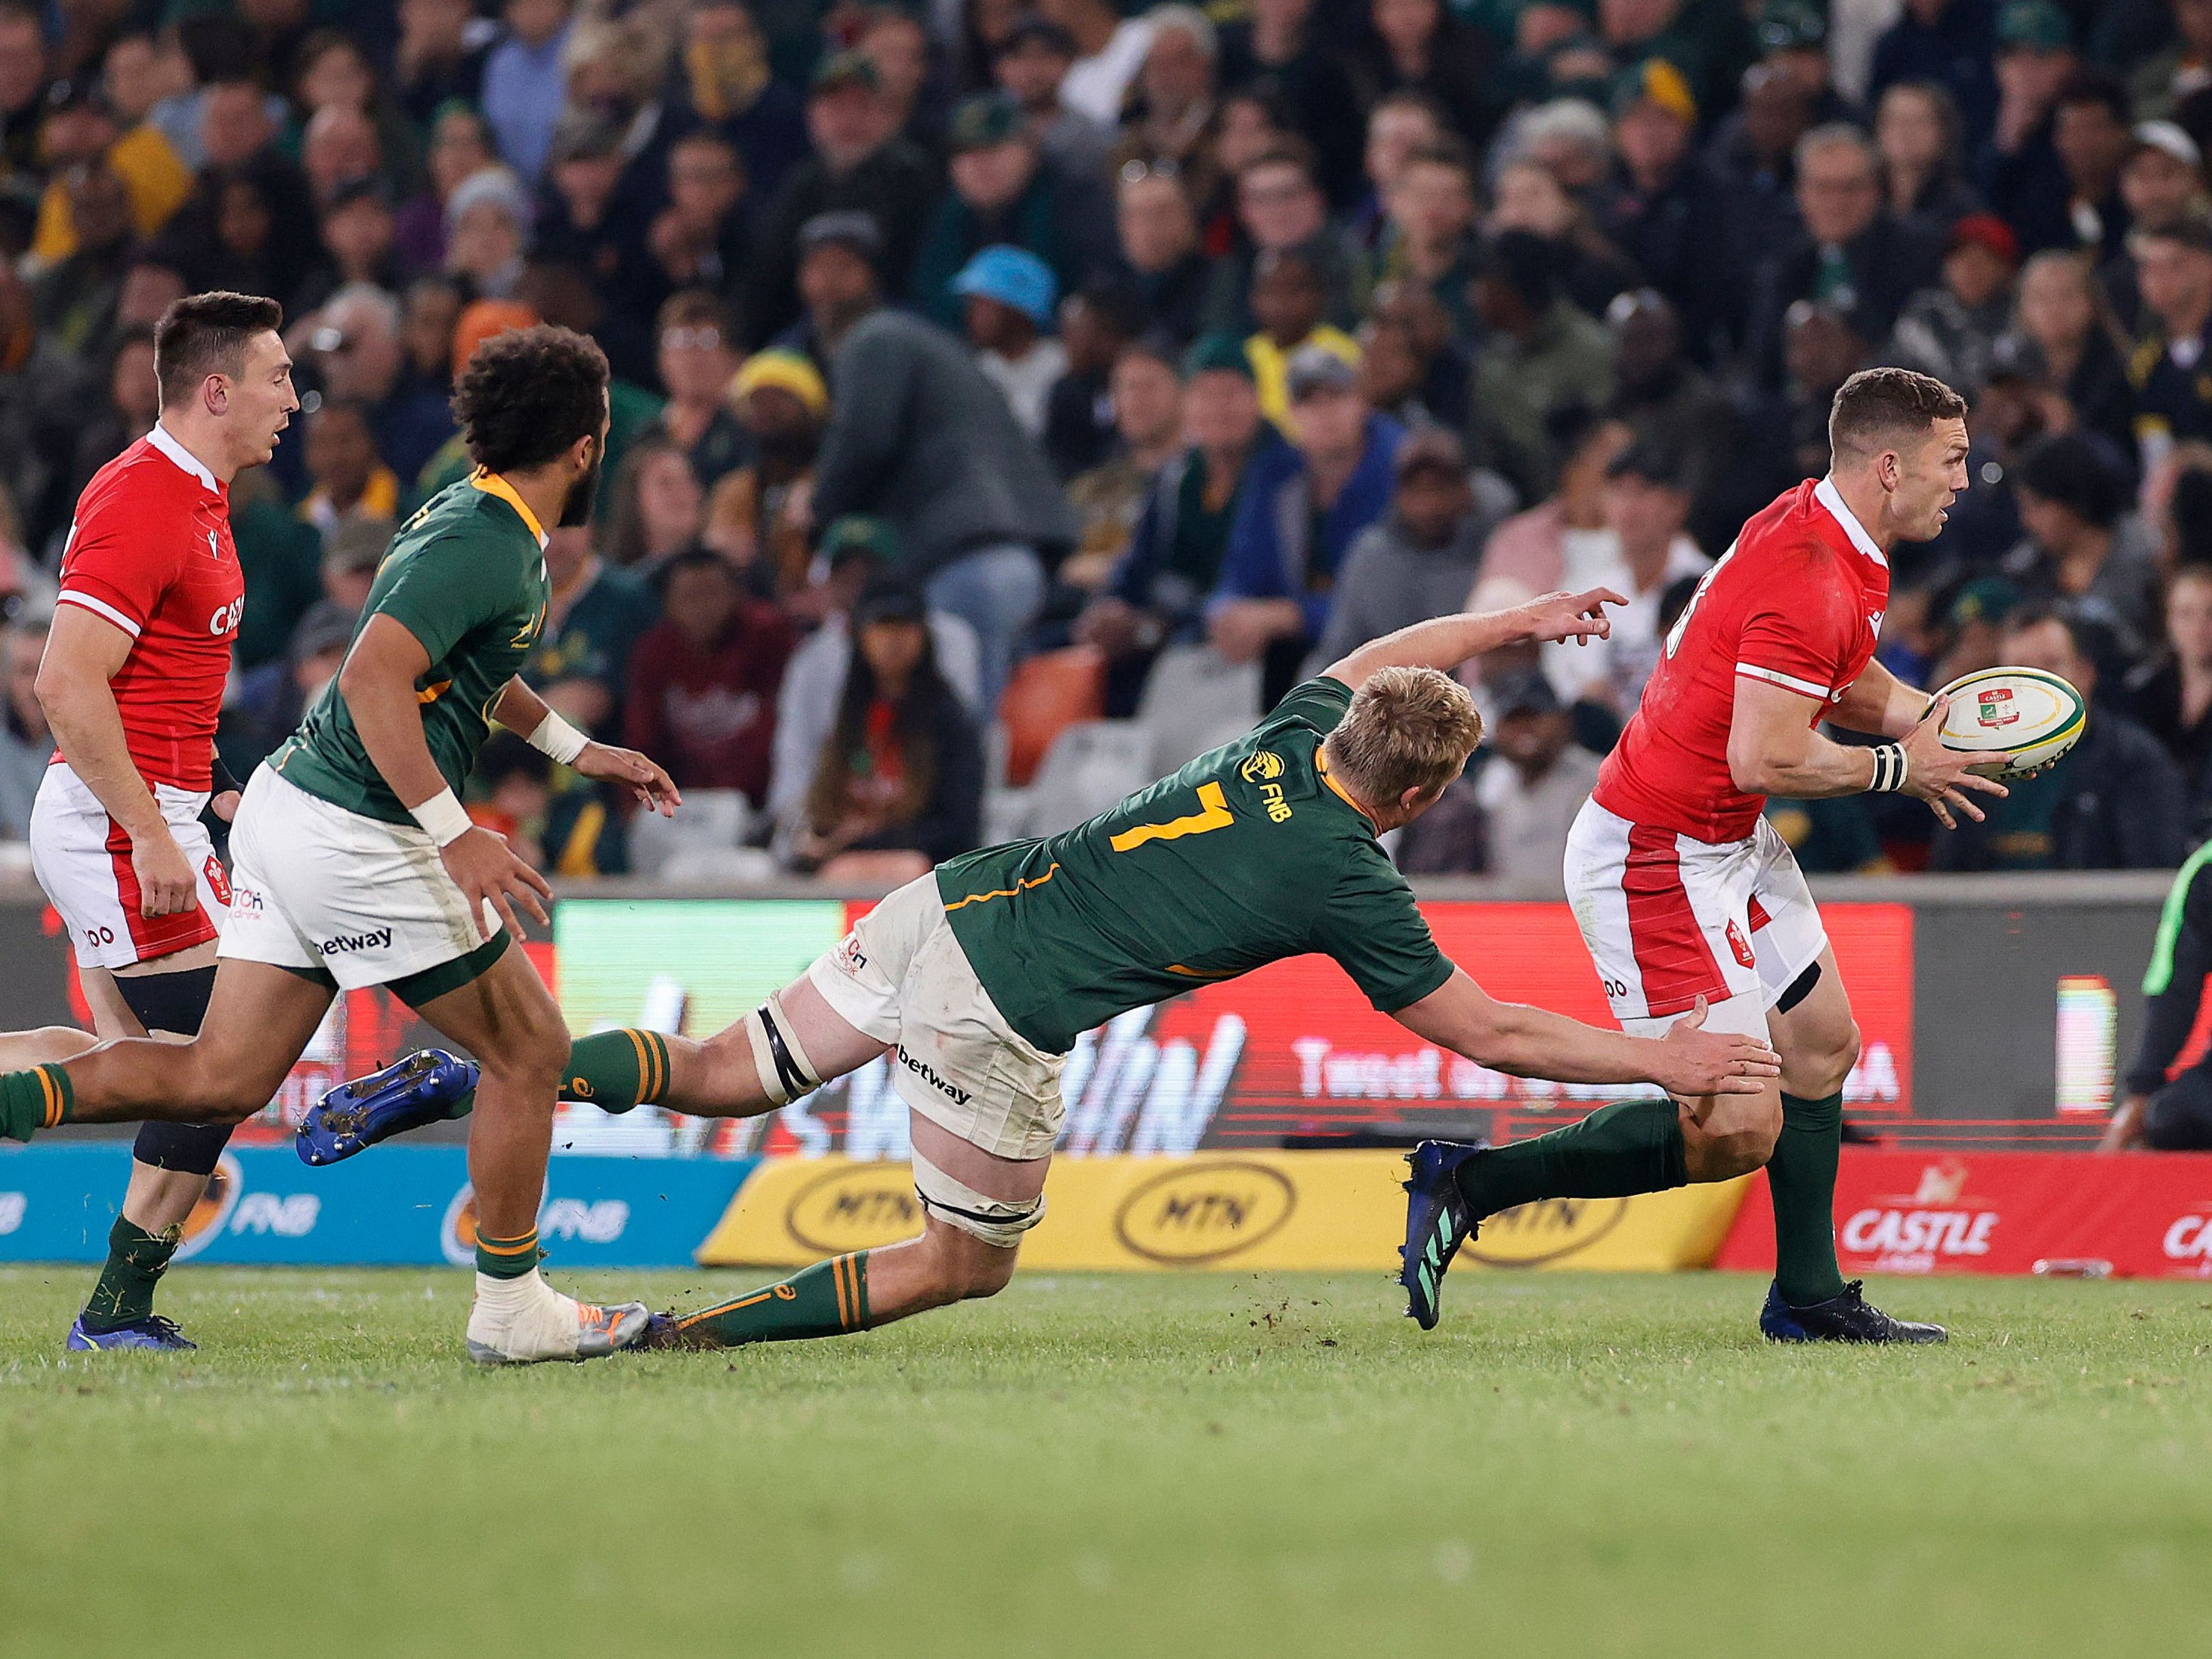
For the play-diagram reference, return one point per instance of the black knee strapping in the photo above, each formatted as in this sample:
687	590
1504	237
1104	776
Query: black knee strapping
1799	988
175	1002
169	1002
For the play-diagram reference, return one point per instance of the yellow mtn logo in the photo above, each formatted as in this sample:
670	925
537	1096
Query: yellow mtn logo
1261	767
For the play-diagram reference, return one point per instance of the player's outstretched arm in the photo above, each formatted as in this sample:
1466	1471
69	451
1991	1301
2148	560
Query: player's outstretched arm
528	715
1527	1041
378	684
1445	642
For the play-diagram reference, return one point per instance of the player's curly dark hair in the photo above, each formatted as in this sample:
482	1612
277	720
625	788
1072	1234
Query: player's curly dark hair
528	394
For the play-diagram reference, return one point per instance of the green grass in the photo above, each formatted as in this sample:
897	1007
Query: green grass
1220	1464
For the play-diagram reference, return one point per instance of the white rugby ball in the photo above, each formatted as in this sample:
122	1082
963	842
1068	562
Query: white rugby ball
2025	713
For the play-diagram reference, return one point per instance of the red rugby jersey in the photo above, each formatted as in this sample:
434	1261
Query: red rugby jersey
1798	601
150	551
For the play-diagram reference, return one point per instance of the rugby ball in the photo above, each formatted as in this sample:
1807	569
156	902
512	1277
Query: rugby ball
2025	713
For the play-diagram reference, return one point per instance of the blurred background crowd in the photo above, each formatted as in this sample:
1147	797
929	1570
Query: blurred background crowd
1013	397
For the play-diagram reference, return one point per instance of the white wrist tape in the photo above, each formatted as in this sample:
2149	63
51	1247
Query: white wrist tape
556	737
1889	769
443	816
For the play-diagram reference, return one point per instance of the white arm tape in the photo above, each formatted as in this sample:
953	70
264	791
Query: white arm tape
443	816
556	737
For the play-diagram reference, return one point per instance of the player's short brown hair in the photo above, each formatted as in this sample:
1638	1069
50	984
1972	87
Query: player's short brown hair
1877	408
204	334
1407	728
529	393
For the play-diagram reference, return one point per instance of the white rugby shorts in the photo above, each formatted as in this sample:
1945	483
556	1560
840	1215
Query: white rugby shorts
314	885
1669	919
82	860
901	977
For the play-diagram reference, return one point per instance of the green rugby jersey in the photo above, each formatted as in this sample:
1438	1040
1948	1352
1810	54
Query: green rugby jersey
466	577
1248	854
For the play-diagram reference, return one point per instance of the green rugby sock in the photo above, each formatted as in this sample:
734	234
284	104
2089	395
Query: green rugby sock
616	1071
1631	1147
827	1299
136	1261
507	1258
1801	1177
33	1100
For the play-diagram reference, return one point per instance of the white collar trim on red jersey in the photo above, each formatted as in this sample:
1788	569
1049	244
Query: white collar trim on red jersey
1829	496
162	439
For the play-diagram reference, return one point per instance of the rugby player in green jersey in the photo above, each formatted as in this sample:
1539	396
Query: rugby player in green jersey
355	865
977	979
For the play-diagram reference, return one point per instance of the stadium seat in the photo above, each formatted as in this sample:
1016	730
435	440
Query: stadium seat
712	821
1090	766
1048	693
1195	699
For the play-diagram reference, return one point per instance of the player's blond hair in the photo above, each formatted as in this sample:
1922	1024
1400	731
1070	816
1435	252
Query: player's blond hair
1407	728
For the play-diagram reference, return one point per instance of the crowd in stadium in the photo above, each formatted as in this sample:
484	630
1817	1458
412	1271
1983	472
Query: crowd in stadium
983	370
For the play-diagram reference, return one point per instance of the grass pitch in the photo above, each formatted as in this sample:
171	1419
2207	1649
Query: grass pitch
1211	1464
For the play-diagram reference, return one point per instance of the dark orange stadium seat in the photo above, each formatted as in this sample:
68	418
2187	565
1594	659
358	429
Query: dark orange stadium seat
1048	693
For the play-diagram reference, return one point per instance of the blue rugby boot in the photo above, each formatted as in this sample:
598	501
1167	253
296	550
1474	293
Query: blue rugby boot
423	1088
151	1332
1437	1224
1848	1317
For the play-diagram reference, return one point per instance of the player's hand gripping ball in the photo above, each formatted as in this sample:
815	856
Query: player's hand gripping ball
2031	716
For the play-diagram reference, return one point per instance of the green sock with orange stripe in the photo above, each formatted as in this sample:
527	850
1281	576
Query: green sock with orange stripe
507	1258
33	1100
615	1070
827	1299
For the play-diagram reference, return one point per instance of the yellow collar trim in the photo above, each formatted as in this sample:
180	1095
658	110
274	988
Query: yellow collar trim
1320	765
492	484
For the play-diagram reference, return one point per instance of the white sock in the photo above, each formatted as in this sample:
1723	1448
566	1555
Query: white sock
502	1298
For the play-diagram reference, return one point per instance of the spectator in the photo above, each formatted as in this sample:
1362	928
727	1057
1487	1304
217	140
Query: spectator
1160	244
2114	802
1417	45
1534	784
1851	253
350	483
1419	560
2077	202
1793	40
698	358
74	298
134	400
440	57
1175	556
1447	363
1009	293
1393	372
1946	43
781	403
1429	237
351	557
39	401
1396	127
2057	323
271	698
2161	179
899	782
1281	210
1668	402
1542	356
83	129
1569	139
1288	302
1657	211
724	82
1531	198
1643	553
2171	694
2160	84
358	236
1916	131
595	615
430	315
1028	66
526	82
1003	196
859	165
699	240
856	554
702	681
2082	544
1752	174
1146	398
1533	550
460	148
509	791
920	438
2035	59
1110	50
339	146
488	220
897	44
353	343
1285	50
1301	512
23	84
27	742
1951	332
585	218
1172	114
658	510
1095	325
2173	273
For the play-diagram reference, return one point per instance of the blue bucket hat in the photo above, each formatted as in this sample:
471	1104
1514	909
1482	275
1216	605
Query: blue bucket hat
1013	276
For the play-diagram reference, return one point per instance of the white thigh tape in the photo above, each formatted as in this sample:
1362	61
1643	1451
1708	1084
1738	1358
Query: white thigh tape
994	1220
779	1061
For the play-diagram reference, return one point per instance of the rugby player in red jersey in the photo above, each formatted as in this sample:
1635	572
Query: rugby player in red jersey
131	682
1684	892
